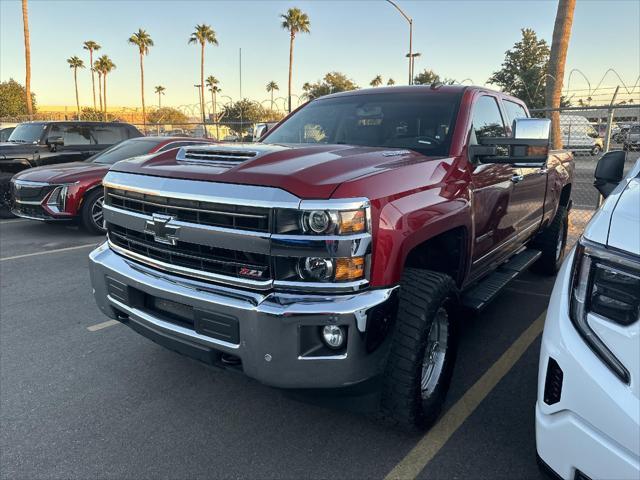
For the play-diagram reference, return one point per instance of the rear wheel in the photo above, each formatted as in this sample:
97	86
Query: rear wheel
92	216
596	150
552	242
422	351
5	195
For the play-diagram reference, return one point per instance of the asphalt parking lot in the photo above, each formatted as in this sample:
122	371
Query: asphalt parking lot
81	398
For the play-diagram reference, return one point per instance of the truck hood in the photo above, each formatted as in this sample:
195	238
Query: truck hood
617	222
312	172
64	173
10	149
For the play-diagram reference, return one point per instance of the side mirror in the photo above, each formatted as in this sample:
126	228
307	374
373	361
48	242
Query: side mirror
259	130
528	145
55	141
609	171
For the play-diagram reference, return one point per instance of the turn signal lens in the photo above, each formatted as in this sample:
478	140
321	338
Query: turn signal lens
349	269
353	221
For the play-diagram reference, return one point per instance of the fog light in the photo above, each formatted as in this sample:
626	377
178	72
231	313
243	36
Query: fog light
333	336
316	269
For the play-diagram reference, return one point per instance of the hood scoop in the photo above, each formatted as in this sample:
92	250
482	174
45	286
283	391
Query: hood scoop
216	156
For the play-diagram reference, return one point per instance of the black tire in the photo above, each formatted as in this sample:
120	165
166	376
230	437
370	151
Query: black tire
425	297
92	202
596	150
5	196
552	242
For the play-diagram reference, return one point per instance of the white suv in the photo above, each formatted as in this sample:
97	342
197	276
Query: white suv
588	405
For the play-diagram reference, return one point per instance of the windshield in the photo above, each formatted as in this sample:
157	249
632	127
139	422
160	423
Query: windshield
27	133
124	150
422	122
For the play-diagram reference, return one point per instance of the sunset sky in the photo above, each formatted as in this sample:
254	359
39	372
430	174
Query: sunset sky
458	39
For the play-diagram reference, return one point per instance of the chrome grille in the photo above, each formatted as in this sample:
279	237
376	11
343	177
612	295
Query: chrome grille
218	261
203	213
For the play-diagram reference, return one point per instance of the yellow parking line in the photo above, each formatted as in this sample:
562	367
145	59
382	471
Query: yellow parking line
46	252
100	326
411	465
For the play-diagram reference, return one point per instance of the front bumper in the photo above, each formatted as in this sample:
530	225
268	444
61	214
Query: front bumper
593	422
274	329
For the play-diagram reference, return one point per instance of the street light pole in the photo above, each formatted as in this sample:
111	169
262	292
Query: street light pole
410	21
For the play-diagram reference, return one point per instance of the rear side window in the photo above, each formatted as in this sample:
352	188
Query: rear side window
108	134
514	110
487	119
72	134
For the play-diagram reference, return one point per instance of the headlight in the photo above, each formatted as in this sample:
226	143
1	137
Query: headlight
331	269
322	222
606	284
58	198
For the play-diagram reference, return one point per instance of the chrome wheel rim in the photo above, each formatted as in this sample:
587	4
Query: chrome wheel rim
435	353
97	214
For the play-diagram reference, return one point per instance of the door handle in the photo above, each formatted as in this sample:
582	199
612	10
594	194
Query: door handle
517	178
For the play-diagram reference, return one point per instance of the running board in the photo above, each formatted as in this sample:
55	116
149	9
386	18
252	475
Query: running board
489	287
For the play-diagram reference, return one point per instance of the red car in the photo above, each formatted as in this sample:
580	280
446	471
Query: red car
73	190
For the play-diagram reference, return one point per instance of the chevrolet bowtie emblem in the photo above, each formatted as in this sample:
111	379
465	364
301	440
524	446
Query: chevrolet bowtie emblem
161	229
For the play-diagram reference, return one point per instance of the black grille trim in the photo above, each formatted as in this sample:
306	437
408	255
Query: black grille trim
203	258
256	219
553	383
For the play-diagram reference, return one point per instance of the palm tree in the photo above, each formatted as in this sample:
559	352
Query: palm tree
27	57
295	21
106	65
557	58
92	47
212	84
272	86
96	68
160	91
76	63
203	34
143	41
391	82
377	81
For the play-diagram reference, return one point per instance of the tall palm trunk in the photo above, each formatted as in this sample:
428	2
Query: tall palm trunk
144	113
104	87
99	90
559	46
204	126
27	57
93	78
159	100
271	99
292	37
75	80
215	116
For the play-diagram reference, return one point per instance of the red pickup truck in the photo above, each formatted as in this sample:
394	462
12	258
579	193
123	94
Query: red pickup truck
344	245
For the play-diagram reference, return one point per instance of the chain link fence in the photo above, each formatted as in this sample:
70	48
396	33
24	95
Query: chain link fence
589	132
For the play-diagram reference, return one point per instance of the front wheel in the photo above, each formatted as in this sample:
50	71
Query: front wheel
596	150
552	241
422	351
92	215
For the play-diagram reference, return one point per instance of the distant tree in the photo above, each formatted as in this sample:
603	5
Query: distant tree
295	21
333	82
239	115
75	63
90	114
426	77
143	41
92	47
13	101
105	66
523	72
159	90
557	59
391	82
212	84
96	68
272	86
27	57
167	115
377	81
203	35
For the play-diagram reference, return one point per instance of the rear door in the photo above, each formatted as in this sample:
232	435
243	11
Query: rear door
78	144
495	220
530	184
104	135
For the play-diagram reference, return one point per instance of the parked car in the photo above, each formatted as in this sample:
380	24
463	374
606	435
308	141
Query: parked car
588	406
35	144
73	191
578	135
340	247
5	133
631	139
